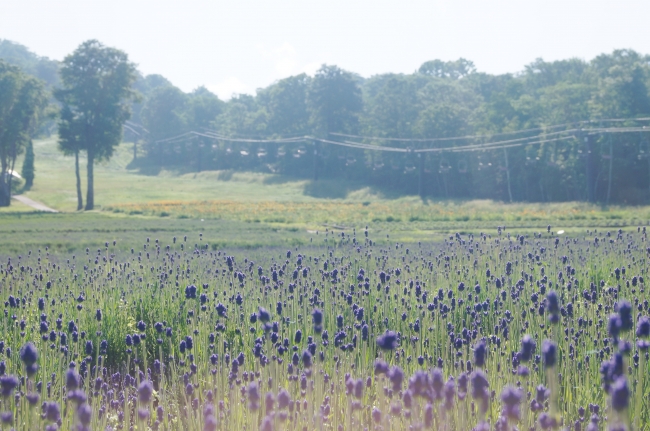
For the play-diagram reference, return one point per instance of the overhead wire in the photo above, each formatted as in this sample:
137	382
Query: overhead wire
508	143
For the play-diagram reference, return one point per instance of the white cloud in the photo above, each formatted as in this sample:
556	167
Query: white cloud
311	68
230	86
286	61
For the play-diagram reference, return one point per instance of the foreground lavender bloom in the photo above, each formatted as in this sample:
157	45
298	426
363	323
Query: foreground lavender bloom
306	359
376	415
387	341
52	411
7	385
643	327
528	347
283	399
263	315
480	351
381	367
614	325
620	394
253	392
29	354
84	413
77	396
511	399
549	353
72	380
480	389
7	418
624	309
145	390
396	377
210	423
317	316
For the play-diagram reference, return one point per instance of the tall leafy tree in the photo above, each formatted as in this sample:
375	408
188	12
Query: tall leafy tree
334	100
22	99
96	92
70	144
286	105
201	109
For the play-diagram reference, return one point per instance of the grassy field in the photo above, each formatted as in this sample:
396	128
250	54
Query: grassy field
254	209
199	294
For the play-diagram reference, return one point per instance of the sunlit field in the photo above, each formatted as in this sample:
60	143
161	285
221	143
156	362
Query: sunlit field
246	302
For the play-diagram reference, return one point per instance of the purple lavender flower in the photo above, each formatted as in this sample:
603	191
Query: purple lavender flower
549	353
28	354
528	347
511	399
145	391
387	341
643	327
480	351
620	394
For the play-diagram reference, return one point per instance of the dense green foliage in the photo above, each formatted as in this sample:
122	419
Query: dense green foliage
440	100
41	67
428	109
22	100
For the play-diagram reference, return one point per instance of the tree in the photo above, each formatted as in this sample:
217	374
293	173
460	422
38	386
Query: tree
201	109
96	93
28	165
70	143
22	99
162	115
448	69
286	104
334	101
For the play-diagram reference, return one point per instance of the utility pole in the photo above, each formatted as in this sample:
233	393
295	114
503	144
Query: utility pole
611	160
589	168
315	160
505	152
421	175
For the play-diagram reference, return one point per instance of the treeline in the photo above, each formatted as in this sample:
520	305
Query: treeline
429	108
440	100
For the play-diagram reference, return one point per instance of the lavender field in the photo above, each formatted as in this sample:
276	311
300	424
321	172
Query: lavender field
489	331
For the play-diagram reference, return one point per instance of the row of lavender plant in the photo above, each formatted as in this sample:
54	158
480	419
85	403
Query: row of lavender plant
477	332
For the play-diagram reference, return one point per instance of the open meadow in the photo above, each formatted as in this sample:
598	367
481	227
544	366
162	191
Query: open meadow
247	301
247	210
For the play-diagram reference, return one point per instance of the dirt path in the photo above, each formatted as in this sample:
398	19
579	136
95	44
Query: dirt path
36	205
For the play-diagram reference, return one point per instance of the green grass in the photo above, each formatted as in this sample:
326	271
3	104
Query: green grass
255	209
256	218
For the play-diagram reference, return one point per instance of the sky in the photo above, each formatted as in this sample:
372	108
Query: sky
239	46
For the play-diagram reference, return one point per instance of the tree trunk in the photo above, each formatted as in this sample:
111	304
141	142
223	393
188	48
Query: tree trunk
80	199
90	196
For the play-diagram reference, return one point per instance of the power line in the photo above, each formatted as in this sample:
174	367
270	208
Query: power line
509	143
487	136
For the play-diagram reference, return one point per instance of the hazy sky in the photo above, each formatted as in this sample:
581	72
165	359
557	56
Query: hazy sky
237	46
